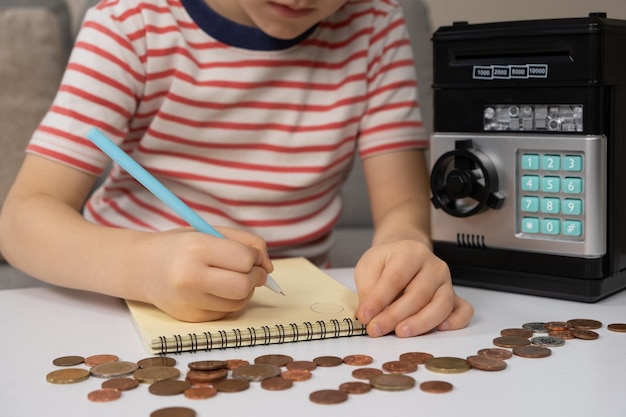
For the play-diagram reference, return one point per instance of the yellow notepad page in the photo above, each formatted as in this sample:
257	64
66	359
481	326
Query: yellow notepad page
315	306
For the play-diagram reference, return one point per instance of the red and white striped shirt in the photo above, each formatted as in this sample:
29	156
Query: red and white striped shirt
255	138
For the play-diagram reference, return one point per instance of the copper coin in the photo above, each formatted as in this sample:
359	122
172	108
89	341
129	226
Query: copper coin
328	361
104	395
276	360
200	393
68	361
231	385
399	367
99	359
328	396
355	387
366	373
174	412
436	387
206	376
532	351
256	372
155	374
547	341
308	365
121	384
358	360
447	365
497	353
584	334
113	369
169	387
557	325
297	375
418	358
392	382
526	333
156	361
485	363
561	334
536	327
207	365
587	324
67	376
510	341
236	363
617	327
276	383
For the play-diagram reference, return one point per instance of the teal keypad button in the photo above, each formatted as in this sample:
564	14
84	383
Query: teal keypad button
551	184
530	225
530	161
572	185
530	183
551	162
572	206
550	226
573	163
572	228
551	205
530	204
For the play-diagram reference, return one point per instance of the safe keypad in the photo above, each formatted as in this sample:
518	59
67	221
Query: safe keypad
552	194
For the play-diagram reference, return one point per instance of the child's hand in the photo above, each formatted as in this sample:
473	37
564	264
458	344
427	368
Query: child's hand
403	286
196	277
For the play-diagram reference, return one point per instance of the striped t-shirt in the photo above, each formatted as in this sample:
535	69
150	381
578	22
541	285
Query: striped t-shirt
251	132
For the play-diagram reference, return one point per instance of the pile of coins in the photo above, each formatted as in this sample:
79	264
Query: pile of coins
277	372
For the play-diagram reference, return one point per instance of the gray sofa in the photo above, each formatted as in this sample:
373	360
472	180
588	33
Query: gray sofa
35	40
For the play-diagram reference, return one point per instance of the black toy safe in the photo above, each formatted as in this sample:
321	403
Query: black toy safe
528	158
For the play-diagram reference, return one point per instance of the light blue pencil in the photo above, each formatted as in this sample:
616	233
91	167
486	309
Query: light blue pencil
159	190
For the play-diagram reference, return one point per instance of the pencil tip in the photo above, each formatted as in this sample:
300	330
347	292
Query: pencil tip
282	293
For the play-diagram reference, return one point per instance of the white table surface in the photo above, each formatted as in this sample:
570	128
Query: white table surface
582	378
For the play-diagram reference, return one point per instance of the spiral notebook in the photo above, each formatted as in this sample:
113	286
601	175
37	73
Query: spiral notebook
315	306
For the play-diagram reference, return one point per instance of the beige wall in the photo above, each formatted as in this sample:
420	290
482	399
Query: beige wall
444	12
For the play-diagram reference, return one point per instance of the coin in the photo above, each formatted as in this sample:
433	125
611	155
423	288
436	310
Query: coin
308	365
532	351
231	385
114	369
510	341
276	360
328	361
169	387
561	334
104	395
328	396
392	382
447	365
67	376
256	372
547	341
355	387
200	393
358	360
418	358
557	325
174	412
587	324
536	327
617	327
156	361
196	377
366	373
399	367
236	363
526	333
207	365
68	361
121	384
297	375
496	353
580	333
436	387
155	374
485	363
276	383
99	359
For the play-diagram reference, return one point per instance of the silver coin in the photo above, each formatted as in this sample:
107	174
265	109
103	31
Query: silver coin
547	341
536	327
256	372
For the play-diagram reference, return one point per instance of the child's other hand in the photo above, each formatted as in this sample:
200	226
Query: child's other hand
196	277
404	287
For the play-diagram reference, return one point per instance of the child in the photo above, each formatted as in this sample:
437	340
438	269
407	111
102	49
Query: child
250	111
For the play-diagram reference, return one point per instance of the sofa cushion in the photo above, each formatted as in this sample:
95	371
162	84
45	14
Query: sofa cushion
34	46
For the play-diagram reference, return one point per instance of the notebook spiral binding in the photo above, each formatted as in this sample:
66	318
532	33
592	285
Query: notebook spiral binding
265	335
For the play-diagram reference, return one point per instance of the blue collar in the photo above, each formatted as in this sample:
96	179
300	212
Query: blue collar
234	34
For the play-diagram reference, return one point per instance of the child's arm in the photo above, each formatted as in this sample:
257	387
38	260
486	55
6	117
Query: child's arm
402	285
190	275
